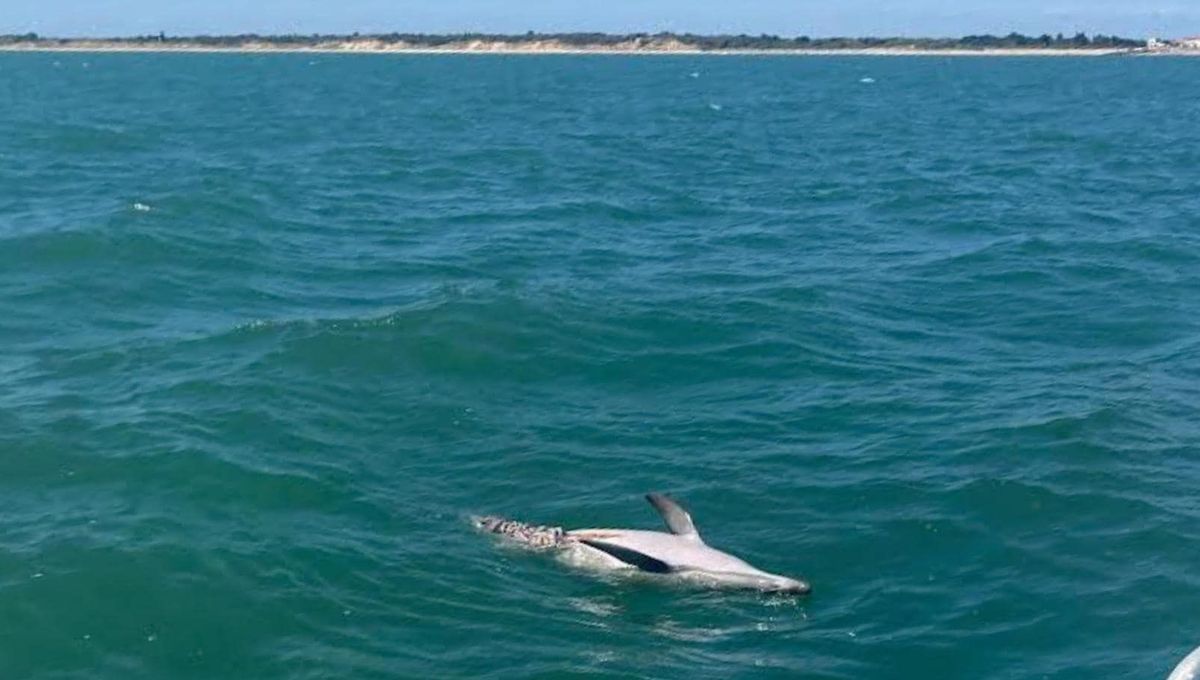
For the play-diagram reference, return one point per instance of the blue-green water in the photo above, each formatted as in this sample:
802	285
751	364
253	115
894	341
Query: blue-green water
274	326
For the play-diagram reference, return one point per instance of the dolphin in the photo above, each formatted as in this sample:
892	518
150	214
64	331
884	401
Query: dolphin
1189	668
680	552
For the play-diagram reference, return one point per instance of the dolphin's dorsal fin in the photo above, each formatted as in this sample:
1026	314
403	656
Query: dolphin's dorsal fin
677	519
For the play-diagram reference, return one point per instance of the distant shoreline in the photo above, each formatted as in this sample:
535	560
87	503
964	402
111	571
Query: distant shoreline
519	49
1013	44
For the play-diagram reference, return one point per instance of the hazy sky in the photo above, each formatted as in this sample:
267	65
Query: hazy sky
795	17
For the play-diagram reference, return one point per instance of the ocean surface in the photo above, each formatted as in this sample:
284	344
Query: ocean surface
923	331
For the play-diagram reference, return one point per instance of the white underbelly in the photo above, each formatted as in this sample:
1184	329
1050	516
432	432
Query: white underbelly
1189	668
586	557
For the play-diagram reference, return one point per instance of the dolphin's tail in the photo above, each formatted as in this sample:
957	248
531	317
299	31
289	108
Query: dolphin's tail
532	535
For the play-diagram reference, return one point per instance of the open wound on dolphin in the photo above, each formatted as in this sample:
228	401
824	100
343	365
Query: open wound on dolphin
679	552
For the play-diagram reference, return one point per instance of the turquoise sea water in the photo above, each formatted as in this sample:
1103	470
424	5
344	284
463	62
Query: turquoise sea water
273	326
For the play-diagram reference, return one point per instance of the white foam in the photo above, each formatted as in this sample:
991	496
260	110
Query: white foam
594	606
141	207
